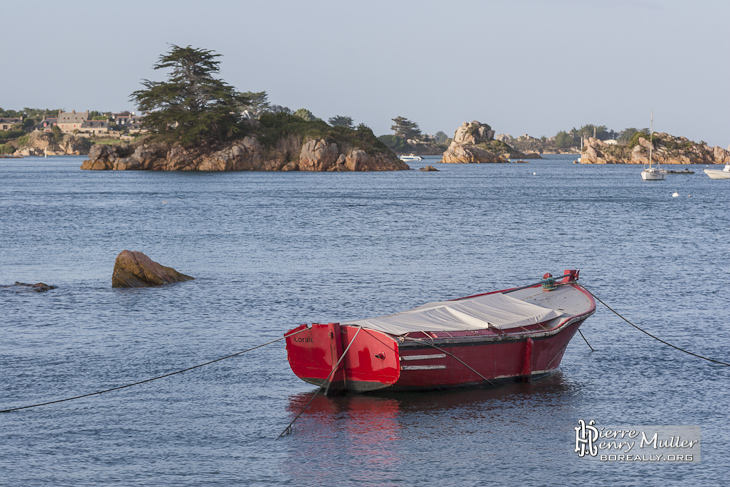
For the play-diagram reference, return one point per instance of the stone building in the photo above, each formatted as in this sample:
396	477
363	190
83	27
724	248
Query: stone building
70	121
46	124
7	123
95	127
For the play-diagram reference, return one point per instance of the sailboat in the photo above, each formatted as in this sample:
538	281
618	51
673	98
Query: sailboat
652	173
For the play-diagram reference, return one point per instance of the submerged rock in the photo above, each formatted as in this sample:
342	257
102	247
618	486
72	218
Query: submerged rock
428	168
38	287
135	269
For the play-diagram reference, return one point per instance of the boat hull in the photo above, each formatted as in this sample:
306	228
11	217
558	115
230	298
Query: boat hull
350	358
717	173
653	175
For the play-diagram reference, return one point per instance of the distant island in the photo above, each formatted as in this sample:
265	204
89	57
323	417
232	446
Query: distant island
196	122
666	149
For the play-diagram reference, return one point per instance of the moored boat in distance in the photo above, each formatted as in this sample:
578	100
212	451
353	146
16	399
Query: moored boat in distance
719	173
411	157
652	173
516	333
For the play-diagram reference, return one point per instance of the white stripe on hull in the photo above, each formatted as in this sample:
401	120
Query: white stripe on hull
423	357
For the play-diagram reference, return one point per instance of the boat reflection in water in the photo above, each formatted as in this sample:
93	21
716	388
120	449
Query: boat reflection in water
385	431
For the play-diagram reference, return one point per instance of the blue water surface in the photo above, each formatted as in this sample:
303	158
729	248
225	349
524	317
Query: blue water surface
270	251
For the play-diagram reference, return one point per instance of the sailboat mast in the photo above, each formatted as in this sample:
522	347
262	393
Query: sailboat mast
651	136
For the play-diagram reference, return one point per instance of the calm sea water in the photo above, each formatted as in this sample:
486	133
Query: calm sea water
273	250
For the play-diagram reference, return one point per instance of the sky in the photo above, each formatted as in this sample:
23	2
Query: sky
522	66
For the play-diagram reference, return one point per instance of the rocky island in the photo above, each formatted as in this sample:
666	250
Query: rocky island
197	122
287	152
667	149
474	143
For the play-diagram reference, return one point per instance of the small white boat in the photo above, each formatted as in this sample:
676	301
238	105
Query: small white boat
719	173
411	157
653	173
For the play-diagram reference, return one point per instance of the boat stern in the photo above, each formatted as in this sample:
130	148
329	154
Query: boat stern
340	357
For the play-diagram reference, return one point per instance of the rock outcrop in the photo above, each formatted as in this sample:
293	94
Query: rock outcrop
44	143
667	150
474	143
135	269
290	153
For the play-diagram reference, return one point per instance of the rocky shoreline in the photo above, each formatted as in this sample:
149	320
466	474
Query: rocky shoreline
290	153
44	143
667	149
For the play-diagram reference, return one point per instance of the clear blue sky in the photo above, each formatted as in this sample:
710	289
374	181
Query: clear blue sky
522	66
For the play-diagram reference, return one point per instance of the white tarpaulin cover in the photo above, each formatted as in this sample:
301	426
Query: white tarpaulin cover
493	310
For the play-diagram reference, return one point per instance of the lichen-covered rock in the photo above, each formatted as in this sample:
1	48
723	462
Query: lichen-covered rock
472	133
470	154
135	269
318	155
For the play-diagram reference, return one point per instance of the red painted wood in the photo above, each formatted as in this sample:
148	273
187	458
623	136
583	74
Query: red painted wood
337	377
527	360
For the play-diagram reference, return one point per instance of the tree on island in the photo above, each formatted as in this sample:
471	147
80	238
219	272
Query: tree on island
275	109
258	103
405	128
193	106
564	140
341	121
305	114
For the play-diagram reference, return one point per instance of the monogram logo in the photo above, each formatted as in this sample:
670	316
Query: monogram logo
585	438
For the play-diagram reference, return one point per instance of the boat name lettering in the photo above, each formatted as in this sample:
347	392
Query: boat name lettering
303	340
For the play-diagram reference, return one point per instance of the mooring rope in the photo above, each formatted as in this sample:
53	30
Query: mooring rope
584	338
288	429
151	379
654	337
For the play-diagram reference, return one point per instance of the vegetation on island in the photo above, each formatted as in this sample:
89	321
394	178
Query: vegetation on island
195	108
407	137
192	106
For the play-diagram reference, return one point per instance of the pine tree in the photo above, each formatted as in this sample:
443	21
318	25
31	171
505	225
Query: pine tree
406	128
192	106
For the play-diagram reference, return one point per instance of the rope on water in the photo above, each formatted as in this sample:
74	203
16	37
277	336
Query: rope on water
655	338
288	429
149	380
584	338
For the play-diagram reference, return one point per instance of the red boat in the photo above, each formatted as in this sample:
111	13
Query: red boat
516	333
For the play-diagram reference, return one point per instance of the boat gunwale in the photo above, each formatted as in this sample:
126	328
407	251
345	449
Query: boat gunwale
478	339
